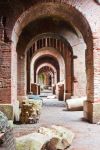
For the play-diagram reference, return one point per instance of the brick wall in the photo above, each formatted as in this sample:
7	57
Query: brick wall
80	70
87	19
50	9
5	73
96	54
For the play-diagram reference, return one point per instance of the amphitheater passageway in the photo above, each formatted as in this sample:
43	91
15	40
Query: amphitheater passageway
54	112
50	53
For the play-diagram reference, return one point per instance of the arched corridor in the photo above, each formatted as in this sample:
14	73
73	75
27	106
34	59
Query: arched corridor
55	27
52	47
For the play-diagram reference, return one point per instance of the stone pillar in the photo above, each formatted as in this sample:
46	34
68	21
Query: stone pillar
21	77
13	73
37	78
52	79
68	73
55	77
46	79
92	106
5	73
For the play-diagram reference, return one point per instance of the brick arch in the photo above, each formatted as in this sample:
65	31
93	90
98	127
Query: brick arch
88	27
64	49
51	66
69	13
51	52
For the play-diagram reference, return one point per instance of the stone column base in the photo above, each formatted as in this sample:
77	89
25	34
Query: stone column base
92	112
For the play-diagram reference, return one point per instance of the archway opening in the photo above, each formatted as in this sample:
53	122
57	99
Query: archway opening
68	18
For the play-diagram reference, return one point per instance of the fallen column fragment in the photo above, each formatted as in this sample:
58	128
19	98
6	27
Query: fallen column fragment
75	104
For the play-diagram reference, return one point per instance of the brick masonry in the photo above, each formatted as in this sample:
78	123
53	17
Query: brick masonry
5	73
96	40
49	9
85	15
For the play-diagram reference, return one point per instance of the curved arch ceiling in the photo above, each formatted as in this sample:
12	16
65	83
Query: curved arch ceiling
46	25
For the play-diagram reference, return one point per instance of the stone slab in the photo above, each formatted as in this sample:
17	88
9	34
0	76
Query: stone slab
92	112
51	138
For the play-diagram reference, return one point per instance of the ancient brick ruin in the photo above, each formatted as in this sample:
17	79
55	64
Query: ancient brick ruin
59	37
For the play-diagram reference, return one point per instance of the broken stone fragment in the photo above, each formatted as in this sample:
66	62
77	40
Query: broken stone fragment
55	144
75	104
64	133
61	136
53	138
30	111
33	141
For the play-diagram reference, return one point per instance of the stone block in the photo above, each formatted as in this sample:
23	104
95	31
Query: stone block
7	109
92	112
30	111
32	141
88	116
87	106
16	111
75	104
34	88
60	91
54	137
